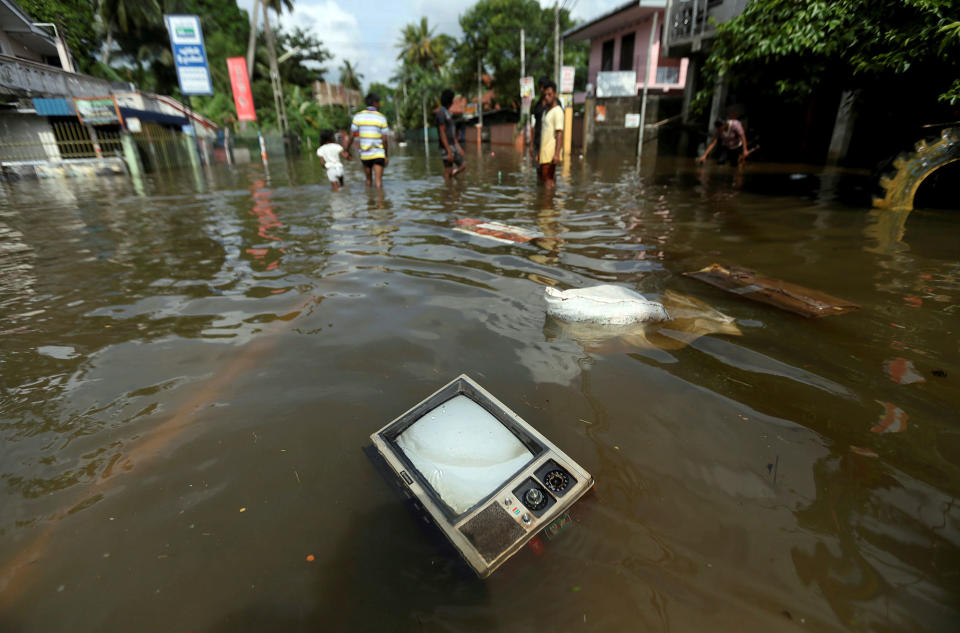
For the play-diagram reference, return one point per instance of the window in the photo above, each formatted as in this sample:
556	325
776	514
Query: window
606	57
668	74
626	51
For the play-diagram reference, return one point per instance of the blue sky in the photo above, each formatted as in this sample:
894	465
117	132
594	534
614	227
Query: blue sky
365	31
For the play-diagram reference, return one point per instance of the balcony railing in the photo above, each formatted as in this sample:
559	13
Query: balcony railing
24	78
689	18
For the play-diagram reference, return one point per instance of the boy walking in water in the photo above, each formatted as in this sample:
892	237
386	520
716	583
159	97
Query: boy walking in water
450	150
551	136
330	153
371	127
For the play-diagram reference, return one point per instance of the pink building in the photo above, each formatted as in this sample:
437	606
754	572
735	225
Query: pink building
620	41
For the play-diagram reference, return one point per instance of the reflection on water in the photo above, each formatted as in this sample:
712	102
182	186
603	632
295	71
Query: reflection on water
187	377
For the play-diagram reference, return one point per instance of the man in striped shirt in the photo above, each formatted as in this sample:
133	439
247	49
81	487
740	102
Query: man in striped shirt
371	127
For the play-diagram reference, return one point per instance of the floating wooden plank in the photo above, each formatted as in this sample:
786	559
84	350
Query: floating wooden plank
497	231
776	292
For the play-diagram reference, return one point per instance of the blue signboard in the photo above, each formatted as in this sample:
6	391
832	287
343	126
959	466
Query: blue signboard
189	54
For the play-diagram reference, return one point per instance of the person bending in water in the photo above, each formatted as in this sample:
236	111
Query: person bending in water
733	143
450	150
371	128
330	153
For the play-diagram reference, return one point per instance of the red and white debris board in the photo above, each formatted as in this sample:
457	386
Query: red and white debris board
497	231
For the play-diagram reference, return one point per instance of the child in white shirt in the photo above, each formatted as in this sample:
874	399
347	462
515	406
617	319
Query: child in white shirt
330	153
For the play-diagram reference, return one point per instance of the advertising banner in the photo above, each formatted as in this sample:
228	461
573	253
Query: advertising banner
526	92
240	84
617	84
189	54
97	110
566	78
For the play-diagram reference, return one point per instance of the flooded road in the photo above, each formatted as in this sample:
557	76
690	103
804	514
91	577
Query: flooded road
189	372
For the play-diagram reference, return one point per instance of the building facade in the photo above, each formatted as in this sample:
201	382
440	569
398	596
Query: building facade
620	43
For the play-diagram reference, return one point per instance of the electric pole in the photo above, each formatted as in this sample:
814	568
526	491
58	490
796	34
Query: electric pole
556	42
252	42
479	94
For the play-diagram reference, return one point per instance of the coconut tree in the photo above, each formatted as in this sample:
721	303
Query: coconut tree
124	16
421	47
350	79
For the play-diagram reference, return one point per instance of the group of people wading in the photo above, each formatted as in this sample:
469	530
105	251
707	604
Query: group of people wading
369	128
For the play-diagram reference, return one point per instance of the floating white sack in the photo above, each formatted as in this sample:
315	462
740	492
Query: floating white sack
605	304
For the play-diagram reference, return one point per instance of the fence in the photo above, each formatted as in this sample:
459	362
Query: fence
58	141
160	148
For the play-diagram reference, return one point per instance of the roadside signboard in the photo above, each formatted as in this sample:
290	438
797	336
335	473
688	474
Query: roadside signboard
240	83
526	92
617	84
189	54
566	78
97	110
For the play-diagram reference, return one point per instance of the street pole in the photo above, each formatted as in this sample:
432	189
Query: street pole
646	81
523	73
480	102
556	42
278	102
426	133
252	42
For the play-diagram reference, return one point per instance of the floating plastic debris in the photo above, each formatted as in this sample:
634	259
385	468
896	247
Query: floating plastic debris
604	304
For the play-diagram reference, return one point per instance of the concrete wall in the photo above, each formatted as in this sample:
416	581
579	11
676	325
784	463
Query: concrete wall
22	78
612	136
26	137
13	48
641	46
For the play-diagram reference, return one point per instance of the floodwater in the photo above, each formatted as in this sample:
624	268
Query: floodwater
191	367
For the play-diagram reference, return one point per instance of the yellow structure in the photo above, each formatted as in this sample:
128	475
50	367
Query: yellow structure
913	169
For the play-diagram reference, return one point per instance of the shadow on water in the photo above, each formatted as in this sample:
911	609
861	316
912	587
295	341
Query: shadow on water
388	574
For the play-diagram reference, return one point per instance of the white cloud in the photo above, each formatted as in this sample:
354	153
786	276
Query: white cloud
365	31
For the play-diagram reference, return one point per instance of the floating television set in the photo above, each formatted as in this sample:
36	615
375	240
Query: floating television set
486	478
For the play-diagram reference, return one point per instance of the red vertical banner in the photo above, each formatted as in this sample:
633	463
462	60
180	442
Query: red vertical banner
240	83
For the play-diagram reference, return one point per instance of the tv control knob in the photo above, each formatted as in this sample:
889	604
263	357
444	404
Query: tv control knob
534	498
507	501
526	519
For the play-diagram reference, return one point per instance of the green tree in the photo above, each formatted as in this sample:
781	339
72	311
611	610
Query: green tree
388	105
424	57
126	18
305	64
76	22
349	76
421	47
803	45
492	32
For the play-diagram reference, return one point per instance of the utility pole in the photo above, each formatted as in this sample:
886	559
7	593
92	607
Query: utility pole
523	55
480	100
252	42
646	81
278	102
556	42
523	73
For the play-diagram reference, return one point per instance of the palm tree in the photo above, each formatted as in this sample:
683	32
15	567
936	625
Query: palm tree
277	6
125	16
349	78
419	46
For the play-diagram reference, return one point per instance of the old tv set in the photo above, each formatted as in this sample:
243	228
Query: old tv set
486	478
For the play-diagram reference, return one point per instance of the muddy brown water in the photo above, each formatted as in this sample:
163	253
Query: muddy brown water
190	369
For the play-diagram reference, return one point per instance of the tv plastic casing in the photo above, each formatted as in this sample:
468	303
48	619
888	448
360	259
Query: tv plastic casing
495	528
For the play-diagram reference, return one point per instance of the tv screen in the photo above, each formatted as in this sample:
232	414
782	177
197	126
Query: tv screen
463	451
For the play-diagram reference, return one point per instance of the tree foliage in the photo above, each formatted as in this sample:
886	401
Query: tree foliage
492	32
76	21
806	44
